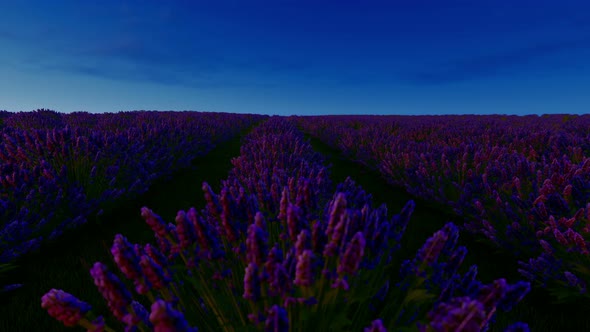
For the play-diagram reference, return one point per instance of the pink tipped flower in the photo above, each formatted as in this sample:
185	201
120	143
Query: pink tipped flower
546	247
184	230
128	262
230	233
156	255
353	255
579	241
64	307
155	222
294	218
112	289
429	253
97	325
376	326
284	204
212	200
154	273
279	281
574	281
166	319
560	238
303	271
256	246
251	283
338	206
461	314
259	220
491	295
335	237
277	320
137	316
303	242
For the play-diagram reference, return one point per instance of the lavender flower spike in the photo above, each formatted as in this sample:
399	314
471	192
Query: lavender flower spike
251	283
154	221
64	307
432	248
128	262
303	272
376	326
112	289
277	320
518	327
461	314
166	319
350	261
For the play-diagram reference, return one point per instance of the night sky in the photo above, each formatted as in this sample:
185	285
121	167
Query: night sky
297	57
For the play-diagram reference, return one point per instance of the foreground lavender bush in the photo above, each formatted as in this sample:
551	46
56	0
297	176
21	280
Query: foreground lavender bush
300	261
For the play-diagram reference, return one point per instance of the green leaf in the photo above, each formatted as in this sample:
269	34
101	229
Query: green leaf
419	295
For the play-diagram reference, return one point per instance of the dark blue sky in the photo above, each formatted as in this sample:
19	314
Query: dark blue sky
297	56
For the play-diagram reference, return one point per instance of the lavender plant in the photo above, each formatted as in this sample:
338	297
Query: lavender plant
241	264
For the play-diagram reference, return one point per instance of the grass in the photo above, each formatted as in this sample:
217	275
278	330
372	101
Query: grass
60	265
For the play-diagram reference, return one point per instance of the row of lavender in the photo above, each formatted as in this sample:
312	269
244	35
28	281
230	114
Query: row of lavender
522	182
57	170
274	251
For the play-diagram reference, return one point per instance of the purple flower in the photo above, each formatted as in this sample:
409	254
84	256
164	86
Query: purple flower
518	327
338	206
491	295
166	319
155	222
455	261
139	315
546	247
560	238
213	205
461	314
303	274
284	204
64	307
513	295
251	283
128	262
575	281
294	221
184	230
256	247
112	289
277	320
376	326
154	273
279	281
349	262
336	235
303	242
97	325
259	220
433	247
156	255
318	237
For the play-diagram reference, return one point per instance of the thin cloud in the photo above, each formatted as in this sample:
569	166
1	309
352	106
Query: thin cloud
479	67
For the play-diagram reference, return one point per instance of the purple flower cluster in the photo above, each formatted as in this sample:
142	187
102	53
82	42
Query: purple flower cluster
64	307
81	163
300	258
520	182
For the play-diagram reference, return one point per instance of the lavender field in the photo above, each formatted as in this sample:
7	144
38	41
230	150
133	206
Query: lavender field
276	244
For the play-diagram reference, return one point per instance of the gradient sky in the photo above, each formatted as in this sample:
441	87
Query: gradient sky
297	56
